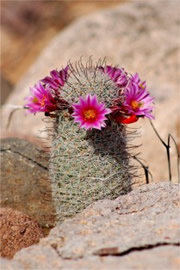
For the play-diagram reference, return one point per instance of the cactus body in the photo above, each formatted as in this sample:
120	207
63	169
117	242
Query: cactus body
87	166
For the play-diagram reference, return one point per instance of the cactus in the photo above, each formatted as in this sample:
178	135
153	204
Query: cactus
90	161
87	166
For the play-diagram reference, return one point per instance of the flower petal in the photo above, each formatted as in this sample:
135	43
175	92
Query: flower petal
89	113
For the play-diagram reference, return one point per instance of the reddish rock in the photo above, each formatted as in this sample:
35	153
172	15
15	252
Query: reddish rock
17	231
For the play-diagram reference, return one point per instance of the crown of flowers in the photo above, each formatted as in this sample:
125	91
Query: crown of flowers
129	99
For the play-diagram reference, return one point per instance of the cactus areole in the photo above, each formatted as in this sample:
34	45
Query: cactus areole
90	104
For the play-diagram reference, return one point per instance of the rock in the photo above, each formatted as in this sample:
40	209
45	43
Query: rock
141	36
13	265
139	230
146	259
107	224
19	22
6	89
17	231
24	180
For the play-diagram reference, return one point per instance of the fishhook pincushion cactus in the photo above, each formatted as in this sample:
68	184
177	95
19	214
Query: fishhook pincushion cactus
91	106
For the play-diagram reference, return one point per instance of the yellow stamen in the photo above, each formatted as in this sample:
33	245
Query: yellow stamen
43	101
35	100
135	105
141	85
90	114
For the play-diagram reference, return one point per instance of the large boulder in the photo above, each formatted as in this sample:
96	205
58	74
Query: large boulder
139	230
141	36
24	180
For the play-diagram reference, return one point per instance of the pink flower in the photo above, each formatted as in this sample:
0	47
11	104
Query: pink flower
57	78
117	75
135	79
137	99
41	100
90	113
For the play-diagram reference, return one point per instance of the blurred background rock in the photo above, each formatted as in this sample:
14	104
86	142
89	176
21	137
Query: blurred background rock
28	26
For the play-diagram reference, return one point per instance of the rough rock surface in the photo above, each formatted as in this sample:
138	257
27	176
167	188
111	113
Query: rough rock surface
142	36
140	230
24	180
17	231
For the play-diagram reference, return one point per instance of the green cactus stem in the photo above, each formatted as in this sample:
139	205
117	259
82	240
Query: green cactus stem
86	166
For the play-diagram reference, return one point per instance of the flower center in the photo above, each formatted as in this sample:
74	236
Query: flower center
90	114
42	103
135	105
141	85
35	100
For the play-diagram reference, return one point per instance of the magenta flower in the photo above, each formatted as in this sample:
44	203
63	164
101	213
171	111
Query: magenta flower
41	100
117	75
57	79
135	79
138	100
90	113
